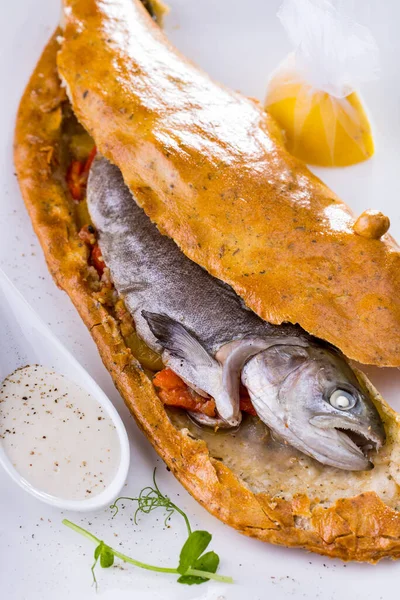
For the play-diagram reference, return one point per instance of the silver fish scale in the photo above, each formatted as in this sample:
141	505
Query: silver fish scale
152	273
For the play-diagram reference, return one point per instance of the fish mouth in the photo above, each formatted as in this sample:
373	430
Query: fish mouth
366	442
357	441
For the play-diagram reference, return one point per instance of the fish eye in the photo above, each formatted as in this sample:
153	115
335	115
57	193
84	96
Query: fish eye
342	400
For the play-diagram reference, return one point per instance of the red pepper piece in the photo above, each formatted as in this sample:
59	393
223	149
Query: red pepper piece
97	259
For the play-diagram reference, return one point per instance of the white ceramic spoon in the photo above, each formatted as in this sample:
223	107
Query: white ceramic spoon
24	340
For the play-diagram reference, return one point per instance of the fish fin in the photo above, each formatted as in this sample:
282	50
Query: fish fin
177	340
184	354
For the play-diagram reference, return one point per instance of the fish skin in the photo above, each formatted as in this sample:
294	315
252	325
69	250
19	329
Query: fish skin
153	275
189	316
159	272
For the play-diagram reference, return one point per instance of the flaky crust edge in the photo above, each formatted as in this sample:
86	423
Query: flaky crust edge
361	528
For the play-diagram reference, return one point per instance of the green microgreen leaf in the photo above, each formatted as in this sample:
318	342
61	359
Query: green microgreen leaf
194	546
207	563
106	557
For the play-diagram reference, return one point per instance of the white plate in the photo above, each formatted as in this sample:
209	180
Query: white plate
238	43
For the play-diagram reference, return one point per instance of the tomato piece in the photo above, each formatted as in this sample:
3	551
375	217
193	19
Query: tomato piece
246	405
77	175
89	161
189	400
173	391
168	380
97	259
74	179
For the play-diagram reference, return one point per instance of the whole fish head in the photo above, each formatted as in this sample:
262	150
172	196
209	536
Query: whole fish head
312	398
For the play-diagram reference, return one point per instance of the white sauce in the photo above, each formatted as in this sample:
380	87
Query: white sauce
56	434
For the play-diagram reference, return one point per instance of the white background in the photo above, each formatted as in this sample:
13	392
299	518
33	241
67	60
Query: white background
239	43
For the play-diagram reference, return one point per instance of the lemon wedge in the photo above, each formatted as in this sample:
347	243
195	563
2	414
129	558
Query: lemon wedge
320	129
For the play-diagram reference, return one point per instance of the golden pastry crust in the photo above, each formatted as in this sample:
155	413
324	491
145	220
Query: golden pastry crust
206	165
360	528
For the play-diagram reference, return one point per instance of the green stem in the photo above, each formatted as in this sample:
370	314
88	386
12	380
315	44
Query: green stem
137	563
207	575
172	505
82	531
184	516
204	574
189	529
